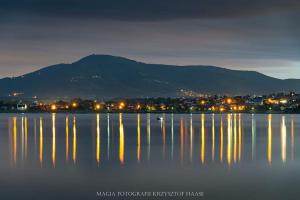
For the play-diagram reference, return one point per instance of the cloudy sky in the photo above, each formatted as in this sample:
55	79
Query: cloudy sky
261	35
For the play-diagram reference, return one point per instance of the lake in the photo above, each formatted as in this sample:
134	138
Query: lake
126	156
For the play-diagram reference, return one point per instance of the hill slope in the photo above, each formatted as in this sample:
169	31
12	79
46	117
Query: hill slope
109	76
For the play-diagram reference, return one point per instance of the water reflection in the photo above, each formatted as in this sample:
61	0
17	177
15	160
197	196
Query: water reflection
108	136
240	137
229	138
181	139
253	136
35	135
234	139
25	137
221	140
283	139
175	138
191	138
148	135
213	137
67	138
15	139
98	139
163	128
53	140
121	140
74	141
22	138
202	138
292	139
172	136
270	138
41	141
138	137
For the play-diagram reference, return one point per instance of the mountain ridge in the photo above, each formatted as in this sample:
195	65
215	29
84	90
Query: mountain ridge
107	76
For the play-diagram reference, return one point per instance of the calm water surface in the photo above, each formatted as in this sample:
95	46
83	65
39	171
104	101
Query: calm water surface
229	156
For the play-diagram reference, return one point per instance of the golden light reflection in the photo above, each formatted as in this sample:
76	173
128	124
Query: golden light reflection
270	138
253	122
53	140
292	140
74	141
283	139
186	139
202	138
213	137
67	138
138	137
229	138
15	139
234	139
98	153
41	141
240	138
121	140
22	138
191	138
221	140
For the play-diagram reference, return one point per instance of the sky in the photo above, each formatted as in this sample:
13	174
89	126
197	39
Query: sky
260	35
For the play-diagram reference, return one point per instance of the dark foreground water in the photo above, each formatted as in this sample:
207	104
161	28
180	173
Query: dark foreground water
92	156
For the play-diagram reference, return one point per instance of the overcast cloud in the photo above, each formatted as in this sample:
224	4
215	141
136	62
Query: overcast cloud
249	35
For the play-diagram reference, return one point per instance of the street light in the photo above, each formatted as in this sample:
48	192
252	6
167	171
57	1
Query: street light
98	106
53	107
229	100
74	104
121	105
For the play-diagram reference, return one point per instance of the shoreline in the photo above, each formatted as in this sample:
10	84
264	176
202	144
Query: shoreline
128	112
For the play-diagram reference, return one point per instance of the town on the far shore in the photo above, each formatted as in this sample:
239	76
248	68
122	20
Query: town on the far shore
272	103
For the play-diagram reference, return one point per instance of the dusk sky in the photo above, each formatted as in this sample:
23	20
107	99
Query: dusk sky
261	35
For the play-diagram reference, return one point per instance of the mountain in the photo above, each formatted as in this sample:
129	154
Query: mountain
105	76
